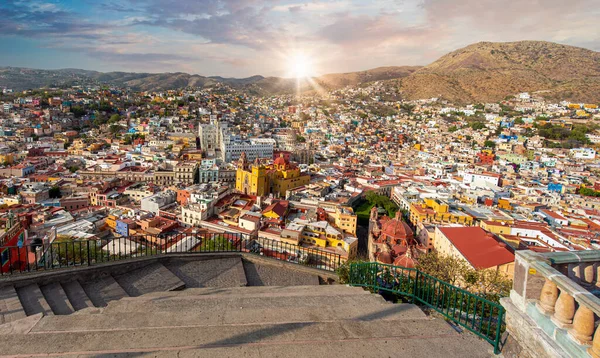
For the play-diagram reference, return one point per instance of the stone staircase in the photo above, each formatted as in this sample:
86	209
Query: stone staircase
211	308
66	296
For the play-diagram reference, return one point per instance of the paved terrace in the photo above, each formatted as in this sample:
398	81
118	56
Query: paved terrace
225	305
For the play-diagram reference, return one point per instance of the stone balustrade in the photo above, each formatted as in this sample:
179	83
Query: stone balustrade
552	310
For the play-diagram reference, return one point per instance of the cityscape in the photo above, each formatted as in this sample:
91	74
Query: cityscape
447	204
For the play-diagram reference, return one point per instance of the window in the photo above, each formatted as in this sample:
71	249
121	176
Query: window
4	257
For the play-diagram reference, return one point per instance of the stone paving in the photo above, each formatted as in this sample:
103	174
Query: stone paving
229	308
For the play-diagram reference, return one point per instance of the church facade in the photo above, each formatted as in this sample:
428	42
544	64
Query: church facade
263	179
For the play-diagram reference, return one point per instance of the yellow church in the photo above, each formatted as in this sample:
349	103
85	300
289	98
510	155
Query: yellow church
260	179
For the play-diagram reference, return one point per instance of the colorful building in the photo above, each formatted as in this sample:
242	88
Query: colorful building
324	235
391	240
260	179
437	211
480	249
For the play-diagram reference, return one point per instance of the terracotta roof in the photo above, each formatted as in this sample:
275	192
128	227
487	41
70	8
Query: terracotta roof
280	161
397	229
480	248
404	261
384	258
277	208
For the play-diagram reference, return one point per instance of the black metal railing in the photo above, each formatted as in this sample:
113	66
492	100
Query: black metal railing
72	253
475	313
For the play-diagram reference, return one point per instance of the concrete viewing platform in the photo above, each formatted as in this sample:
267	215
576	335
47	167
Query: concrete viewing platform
224	306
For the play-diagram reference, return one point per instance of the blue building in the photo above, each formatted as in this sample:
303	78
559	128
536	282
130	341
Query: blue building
124	226
555	187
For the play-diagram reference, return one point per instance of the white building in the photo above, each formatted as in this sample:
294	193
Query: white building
158	201
481	180
285	139
594	138
583	153
209	137
231	150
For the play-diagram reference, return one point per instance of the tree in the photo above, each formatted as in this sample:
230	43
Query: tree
477	125
54	192
519	121
77	111
371	196
489	144
589	192
114	119
115	128
445	268
407	107
452	129
491	284
381	201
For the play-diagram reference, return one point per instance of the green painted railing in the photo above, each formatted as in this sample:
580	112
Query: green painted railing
479	315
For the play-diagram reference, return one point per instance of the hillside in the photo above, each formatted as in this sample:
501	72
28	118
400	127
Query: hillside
480	72
24	78
338	80
490	71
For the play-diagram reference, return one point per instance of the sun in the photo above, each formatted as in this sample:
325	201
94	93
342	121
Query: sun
300	66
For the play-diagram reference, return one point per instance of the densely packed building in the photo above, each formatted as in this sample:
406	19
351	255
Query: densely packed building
357	172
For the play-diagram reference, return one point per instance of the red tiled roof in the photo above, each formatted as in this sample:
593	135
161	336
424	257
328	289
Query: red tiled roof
277	208
478	247
553	214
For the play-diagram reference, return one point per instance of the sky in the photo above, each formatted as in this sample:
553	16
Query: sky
240	38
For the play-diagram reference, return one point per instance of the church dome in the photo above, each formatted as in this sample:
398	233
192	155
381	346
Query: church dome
404	261
397	229
384	258
280	161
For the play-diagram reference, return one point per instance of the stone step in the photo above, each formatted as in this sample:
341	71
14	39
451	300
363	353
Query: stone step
431	347
222	272
57	299
192	304
263	291
103	291
276	275
228	316
11	308
33	300
152	278
77	296
434	334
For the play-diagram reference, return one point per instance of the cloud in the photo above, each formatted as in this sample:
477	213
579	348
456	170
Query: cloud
247	37
137	57
509	20
236	22
363	31
43	20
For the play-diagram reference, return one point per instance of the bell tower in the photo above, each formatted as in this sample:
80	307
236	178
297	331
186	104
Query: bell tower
243	162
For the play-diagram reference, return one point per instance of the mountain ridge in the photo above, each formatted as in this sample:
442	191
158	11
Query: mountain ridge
480	72
489	71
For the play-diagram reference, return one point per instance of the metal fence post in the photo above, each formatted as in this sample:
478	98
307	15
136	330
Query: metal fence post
88	252
415	286
498	331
